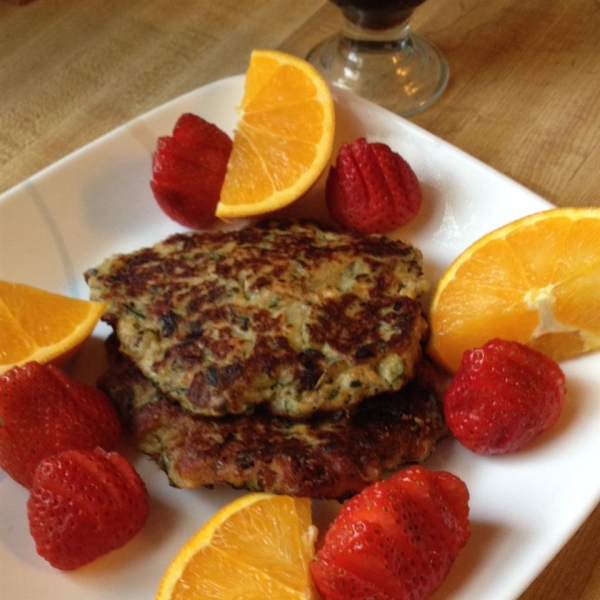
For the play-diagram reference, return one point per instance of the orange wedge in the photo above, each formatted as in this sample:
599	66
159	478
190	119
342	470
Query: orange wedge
258	546
283	139
41	326
535	281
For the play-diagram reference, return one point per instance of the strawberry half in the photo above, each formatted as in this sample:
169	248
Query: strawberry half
502	396
188	169
372	189
83	504
43	411
395	539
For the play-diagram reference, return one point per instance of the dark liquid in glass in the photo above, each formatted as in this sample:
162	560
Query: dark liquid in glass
377	14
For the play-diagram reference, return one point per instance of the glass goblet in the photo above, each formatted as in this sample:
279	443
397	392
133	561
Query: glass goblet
378	56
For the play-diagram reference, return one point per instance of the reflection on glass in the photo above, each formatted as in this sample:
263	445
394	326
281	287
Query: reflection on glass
379	57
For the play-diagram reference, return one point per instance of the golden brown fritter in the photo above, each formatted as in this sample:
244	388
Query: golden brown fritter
295	316
326	456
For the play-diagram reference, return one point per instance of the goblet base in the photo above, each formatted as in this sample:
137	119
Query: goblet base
405	76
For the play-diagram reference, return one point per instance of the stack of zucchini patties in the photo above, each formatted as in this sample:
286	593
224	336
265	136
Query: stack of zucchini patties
284	357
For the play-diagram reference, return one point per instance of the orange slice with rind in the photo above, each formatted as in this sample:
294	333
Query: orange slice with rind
36	325
283	139
260	542
535	281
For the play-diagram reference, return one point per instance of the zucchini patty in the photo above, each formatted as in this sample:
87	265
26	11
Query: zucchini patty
325	456
294	316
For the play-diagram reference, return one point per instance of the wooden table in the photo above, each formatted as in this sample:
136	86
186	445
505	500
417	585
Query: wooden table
524	97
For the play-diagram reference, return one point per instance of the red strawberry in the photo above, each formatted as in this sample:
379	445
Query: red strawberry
372	188
396	539
188	170
502	396
83	504
43	411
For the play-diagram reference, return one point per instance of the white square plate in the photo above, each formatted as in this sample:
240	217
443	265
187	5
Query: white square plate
98	201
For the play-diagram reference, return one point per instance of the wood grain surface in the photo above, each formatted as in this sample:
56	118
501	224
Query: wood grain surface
524	97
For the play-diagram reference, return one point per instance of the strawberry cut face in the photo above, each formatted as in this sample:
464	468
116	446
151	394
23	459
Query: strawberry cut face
84	504
188	169
372	189
43	411
396	539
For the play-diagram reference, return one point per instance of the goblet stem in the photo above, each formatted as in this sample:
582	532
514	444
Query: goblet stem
391	66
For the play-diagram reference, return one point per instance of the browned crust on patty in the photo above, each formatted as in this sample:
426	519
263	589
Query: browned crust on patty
326	456
294	316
